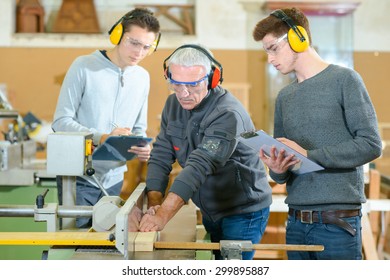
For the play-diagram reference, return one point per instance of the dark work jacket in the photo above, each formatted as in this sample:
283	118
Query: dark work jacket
221	175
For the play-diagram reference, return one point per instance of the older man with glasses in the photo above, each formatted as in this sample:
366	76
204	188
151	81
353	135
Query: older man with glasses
199	128
106	93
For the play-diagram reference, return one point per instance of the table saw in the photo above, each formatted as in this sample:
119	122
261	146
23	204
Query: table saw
114	233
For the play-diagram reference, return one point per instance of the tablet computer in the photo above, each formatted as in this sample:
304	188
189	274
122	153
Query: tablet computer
116	147
261	140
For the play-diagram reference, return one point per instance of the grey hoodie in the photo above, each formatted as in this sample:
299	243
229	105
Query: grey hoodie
96	93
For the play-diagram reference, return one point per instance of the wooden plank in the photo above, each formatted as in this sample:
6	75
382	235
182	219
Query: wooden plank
182	227
288	247
186	245
56	238
382	236
144	242
368	241
131	237
374	193
165	10
216	246
270	255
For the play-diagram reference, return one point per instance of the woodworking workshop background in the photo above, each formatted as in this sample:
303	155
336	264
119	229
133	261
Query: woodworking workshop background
32	65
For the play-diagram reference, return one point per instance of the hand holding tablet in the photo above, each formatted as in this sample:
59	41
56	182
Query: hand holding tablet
261	140
116	147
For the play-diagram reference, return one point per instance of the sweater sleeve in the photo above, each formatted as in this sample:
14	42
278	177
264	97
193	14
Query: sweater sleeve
161	158
279	132
365	144
69	100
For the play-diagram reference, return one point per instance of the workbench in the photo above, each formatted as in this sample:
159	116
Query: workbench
179	240
23	238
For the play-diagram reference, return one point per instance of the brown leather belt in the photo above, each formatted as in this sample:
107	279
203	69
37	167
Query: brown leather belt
326	217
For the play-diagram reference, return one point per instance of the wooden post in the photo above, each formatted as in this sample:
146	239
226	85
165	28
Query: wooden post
29	17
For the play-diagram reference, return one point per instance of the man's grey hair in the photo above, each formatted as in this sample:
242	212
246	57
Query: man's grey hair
190	56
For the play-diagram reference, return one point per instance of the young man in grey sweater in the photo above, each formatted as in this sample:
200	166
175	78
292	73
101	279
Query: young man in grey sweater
106	93
326	114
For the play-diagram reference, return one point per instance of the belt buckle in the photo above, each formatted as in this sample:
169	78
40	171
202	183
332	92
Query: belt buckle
310	212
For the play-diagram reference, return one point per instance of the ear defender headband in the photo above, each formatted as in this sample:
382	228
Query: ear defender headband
214	77
297	36
116	32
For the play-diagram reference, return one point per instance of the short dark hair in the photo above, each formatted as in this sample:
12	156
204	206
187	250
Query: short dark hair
143	18
277	27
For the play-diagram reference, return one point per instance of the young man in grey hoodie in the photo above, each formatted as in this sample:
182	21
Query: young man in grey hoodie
106	93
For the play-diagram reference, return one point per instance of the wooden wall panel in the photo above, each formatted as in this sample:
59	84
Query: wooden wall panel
32	76
375	70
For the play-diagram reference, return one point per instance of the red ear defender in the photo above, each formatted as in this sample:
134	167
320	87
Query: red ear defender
215	77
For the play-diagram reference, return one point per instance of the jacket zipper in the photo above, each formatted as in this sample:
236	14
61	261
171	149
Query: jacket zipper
238	174
117	95
121	78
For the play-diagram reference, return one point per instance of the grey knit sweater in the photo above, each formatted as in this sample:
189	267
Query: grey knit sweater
332	117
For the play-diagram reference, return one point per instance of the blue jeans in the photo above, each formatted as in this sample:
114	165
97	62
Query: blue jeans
338	243
249	226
